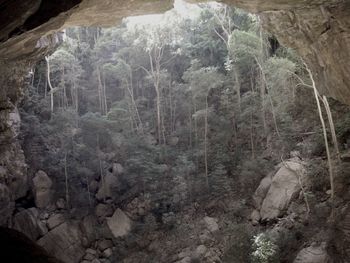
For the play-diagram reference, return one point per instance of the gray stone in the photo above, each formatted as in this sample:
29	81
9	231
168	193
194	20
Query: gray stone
28	222
103	210
118	169
104	244
261	191
313	254
55	220
107	252
88	227
42	189
119	223
108	187
91	251
61	203
255	217
284	186
211	224
89	257
201	250
64	242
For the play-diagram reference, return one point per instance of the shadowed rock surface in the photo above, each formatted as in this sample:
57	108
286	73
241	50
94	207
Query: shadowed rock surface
16	247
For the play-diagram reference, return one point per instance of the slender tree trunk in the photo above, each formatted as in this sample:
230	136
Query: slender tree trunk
238	86
206	141
99	89
66	179
196	136
251	135
331	125
38	85
105	106
131	93
158	115
330	167
190	128
49	82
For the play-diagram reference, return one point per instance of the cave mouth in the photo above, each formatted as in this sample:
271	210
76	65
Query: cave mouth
139	135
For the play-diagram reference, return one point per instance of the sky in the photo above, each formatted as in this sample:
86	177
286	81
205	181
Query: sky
180	6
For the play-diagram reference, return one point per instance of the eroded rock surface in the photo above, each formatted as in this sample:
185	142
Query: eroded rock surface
313	254
119	223
42	189
284	186
64	242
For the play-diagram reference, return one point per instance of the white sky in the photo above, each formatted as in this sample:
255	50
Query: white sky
180	6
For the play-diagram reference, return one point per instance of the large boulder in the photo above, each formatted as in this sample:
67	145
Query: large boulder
42	189
64	242
284	186
108	188
28	222
119	224
261	191
55	220
313	254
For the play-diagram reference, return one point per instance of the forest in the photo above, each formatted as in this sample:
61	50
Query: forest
185	110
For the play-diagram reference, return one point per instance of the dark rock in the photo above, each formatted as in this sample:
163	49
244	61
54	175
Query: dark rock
64	242
28	222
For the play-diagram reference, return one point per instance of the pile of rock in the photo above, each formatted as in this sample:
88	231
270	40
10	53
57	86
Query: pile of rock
102	253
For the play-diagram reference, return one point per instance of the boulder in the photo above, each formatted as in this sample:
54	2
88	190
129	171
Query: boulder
64	242
261	191
211	224
201	250
28	222
55	220
255	217
313	254
107	252
104	244
118	169
284	186
93	186
42	189
61	203
103	210
119	223
88	227
108	187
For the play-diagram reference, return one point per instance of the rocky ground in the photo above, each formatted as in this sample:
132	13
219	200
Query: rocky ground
216	230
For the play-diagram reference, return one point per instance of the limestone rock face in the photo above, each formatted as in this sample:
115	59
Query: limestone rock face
284	186
64	242
321	36
313	254
42	189
119	223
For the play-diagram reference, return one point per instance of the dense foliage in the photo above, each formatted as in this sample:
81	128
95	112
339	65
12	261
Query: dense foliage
191	101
